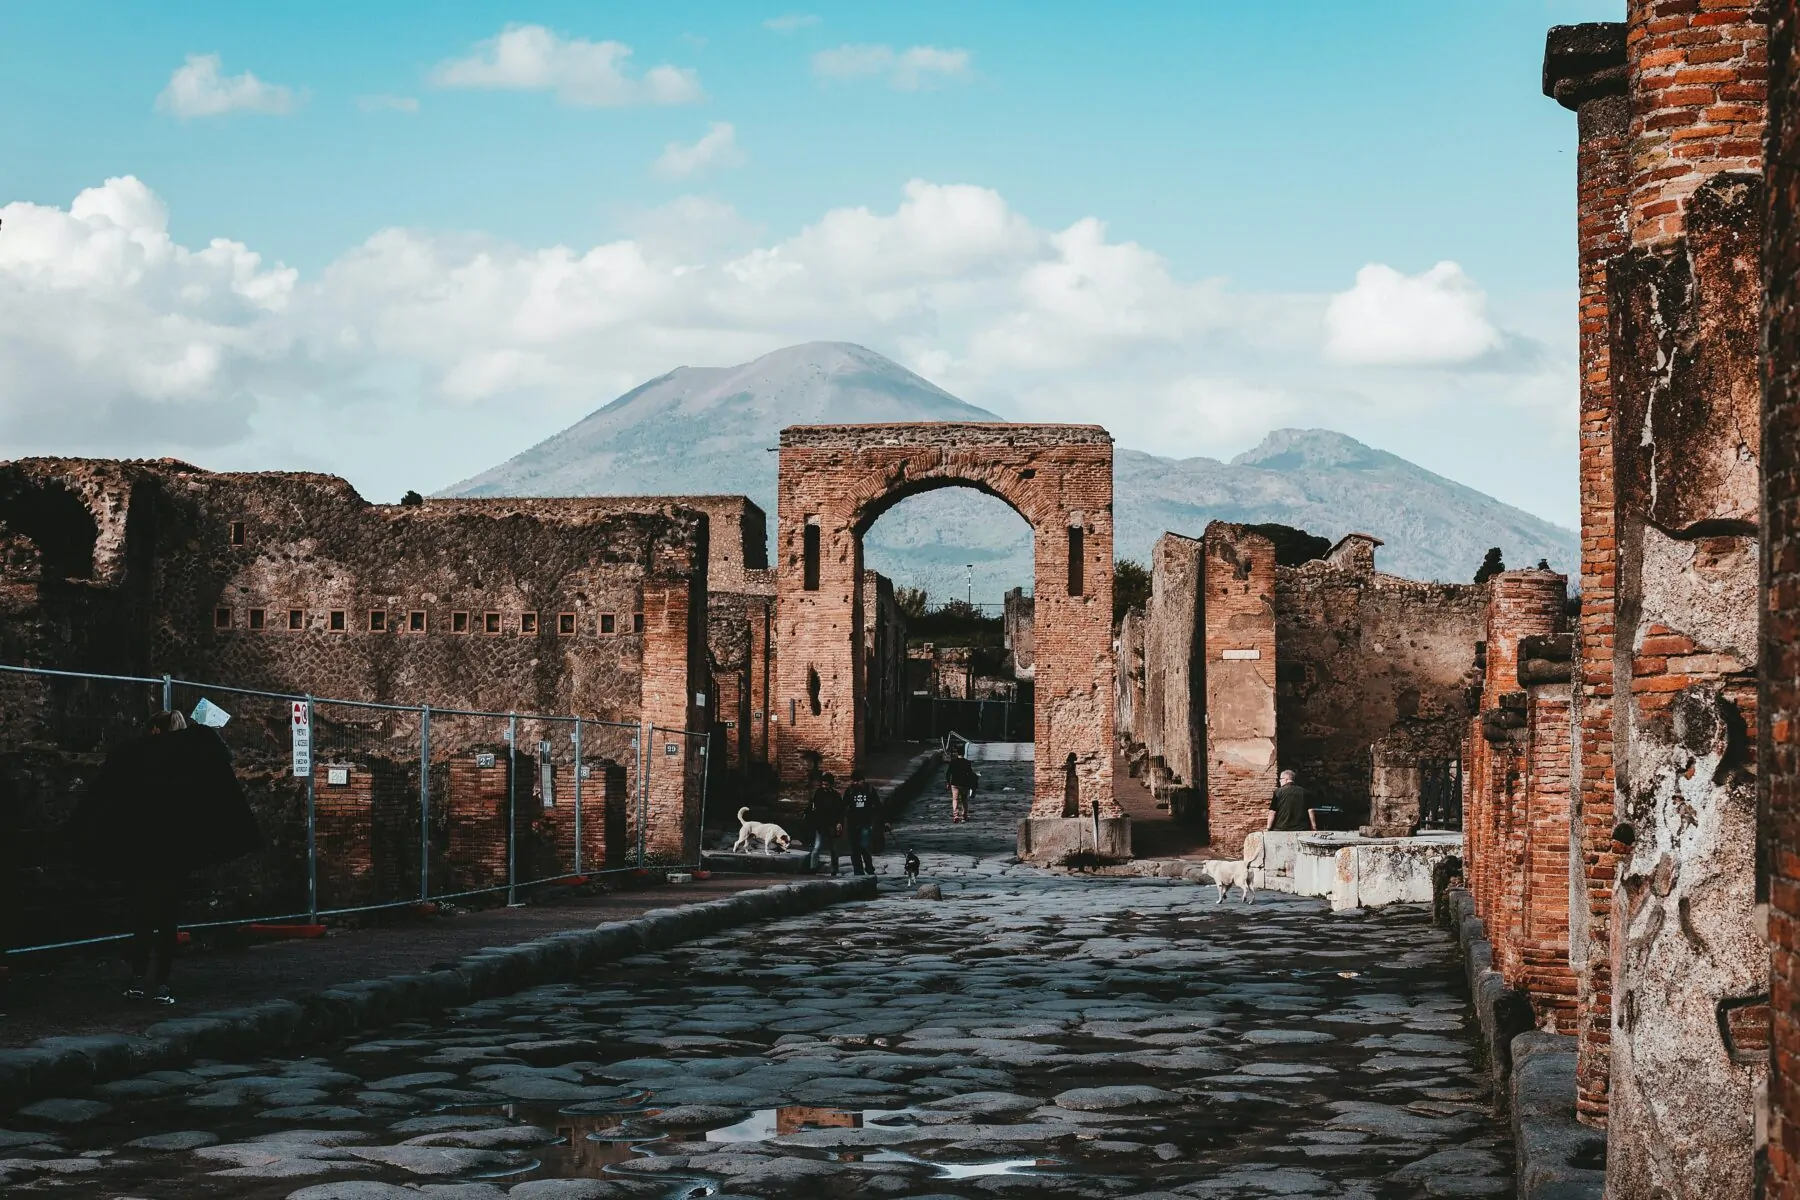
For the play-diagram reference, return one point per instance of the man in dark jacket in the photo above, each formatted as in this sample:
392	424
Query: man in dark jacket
825	816
163	806
1291	808
862	817
962	779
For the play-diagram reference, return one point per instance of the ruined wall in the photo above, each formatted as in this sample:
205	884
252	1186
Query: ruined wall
1367	657
884	669
293	583
835	481
1688	962
1584	69
1779	710
1129	698
1237	679
1172	724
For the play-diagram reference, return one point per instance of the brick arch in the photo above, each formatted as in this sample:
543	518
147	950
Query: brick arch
840	479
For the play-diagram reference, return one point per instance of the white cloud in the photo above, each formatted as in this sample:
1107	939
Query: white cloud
531	58
196	89
1390	319
459	349
716	149
388	103
791	22
905	70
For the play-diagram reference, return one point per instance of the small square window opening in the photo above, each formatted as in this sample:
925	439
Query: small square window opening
239	535
637	622
415	621
528	623
565	624
296	618
377	620
459	622
490	622
339	621
608	623
221	618
257	618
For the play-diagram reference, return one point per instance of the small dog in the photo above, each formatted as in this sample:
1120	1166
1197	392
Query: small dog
775	839
912	867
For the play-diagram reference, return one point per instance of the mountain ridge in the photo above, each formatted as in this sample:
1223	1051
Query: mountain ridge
706	429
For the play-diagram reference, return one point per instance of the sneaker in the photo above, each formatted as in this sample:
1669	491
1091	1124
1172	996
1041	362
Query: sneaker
133	993
162	997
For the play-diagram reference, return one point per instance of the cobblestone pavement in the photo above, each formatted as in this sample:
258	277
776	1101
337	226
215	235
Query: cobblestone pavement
1030	1034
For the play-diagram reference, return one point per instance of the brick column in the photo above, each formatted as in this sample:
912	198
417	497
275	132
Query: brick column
1584	69
674	675
1237	627
1780	699
1683	306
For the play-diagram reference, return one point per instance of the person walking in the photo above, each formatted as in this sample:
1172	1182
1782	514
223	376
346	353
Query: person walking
1291	808
825	815
862	817
163	806
963	781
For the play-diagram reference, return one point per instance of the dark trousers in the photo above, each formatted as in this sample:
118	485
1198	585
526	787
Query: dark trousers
156	908
862	843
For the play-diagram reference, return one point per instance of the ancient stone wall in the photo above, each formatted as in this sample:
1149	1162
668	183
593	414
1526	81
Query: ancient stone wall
1779	709
884	668
1236	677
1584	69
1363	658
1019	633
1683	301
836	481
1172	724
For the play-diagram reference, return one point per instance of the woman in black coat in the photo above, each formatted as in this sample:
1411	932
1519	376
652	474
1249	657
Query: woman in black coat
163	806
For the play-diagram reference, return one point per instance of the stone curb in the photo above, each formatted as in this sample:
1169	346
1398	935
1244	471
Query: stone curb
69	1066
1533	1073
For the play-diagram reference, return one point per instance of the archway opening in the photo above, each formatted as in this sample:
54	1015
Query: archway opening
960	567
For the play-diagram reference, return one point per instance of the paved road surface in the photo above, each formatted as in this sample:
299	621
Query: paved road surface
1029	1035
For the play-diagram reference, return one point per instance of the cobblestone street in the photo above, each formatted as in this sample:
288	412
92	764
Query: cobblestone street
1030	1034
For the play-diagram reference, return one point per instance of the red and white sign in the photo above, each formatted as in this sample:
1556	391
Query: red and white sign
302	728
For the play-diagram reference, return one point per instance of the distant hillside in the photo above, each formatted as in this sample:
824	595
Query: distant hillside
711	429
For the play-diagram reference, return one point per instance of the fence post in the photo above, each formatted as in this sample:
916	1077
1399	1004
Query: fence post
512	810
705	782
579	768
424	802
312	824
168	693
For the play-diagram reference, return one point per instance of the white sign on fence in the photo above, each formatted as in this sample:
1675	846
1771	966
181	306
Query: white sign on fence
302	740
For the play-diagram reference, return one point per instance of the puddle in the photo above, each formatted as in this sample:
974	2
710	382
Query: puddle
1007	1166
766	1124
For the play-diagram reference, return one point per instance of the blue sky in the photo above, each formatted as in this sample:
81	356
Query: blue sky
1257	156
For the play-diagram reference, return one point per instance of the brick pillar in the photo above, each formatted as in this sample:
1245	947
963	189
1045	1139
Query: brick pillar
674	676
1683	305
1779	708
1584	69
1238	680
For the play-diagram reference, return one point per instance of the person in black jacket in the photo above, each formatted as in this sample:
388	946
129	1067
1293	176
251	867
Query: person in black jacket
825	816
862	817
962	779
163	806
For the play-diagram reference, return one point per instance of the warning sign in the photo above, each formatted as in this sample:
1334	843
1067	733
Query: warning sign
302	739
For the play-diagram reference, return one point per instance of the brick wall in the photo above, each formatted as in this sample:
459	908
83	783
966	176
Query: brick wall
840	479
1779	708
1237	678
1584	69
1172	725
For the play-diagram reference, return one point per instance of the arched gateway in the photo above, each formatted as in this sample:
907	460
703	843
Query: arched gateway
837	480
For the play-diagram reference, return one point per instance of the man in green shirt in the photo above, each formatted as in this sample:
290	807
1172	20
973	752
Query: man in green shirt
1291	809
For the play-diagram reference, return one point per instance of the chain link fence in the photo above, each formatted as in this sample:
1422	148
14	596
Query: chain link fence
362	806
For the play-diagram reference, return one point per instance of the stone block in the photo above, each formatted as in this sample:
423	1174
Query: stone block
1047	841
1386	871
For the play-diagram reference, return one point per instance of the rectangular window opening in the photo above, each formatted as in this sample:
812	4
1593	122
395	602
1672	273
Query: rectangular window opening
239	535
809	569
339	620
296	618
257	618
490	622
565	624
459	622
637	622
528	623
1075	579
608	623
378	620
415	621
221	618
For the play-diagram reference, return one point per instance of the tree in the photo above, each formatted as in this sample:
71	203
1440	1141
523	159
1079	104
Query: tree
1491	566
412	499
911	601
1131	588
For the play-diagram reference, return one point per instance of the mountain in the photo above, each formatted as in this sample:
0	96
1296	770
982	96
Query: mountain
709	429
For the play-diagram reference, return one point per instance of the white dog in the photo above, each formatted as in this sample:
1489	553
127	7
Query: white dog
775	839
1236	873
